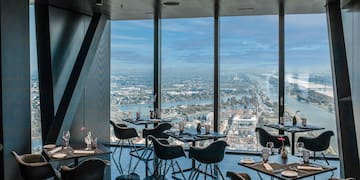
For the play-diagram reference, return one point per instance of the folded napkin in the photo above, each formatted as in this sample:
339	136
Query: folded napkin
268	167
310	168
55	150
83	152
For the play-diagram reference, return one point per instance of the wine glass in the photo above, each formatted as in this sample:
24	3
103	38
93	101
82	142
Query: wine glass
265	154
66	138
270	146
300	149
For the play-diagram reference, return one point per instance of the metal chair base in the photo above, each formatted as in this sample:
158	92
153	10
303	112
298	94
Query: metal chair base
132	176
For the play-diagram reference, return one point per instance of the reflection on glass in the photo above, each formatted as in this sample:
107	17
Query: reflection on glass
187	85
248	78
308	79
131	71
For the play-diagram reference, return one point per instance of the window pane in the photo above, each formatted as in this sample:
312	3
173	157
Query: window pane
188	70
131	70
308	80
248	77
36	140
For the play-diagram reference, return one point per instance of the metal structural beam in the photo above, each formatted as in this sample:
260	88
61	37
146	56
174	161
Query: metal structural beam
348	150
44	66
216	67
157	58
281	58
76	83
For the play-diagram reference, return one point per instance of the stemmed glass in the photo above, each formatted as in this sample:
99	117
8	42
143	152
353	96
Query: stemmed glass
270	146
300	147
66	139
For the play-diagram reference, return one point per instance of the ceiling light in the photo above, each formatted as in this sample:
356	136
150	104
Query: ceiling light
171	3
99	3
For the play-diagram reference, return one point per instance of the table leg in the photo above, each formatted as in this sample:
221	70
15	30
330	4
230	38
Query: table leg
193	161
292	143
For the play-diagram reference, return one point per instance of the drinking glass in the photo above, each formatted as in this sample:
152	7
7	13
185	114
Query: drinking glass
265	153
300	147
270	146
88	140
66	139
207	129
181	126
137	115
303	121
306	156
94	143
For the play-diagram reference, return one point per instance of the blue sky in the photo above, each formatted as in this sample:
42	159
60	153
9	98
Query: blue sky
246	42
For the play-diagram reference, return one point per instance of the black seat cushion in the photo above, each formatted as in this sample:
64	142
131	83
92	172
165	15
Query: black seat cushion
91	169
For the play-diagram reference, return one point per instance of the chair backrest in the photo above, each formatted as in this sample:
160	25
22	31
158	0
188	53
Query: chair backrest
91	169
213	153
237	176
265	137
33	166
157	132
319	143
123	132
166	152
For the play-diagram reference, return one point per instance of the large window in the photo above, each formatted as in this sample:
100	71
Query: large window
131	70
36	140
187	83
308	81
248	78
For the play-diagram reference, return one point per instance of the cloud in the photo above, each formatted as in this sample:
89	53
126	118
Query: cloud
122	37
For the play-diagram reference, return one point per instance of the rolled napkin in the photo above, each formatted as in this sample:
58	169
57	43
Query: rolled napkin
268	167
55	150
83	152
310	168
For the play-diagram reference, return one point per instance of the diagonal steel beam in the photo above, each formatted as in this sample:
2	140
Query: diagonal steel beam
348	149
76	83
44	66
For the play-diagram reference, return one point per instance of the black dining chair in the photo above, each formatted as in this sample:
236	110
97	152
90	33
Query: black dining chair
34	166
237	176
158	133
90	169
265	137
317	144
210	155
147	151
125	134
166	153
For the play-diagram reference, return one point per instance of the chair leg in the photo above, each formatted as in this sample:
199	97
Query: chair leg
217	167
181	171
327	162
196	172
205	171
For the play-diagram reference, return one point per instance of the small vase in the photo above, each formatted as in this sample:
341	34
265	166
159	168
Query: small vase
283	152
